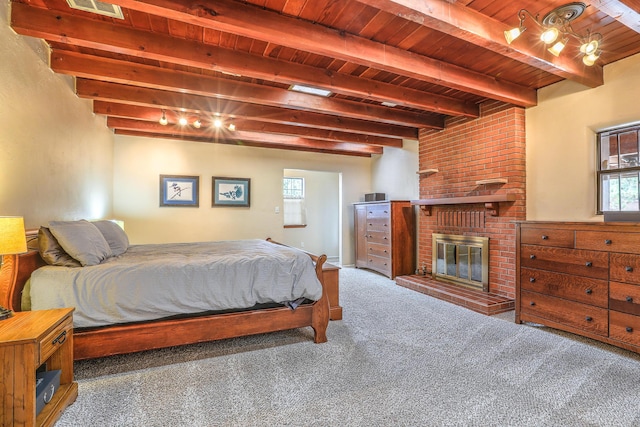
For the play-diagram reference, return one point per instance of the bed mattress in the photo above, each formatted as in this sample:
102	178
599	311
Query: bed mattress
154	281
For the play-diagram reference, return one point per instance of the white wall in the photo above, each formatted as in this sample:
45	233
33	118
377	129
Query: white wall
139	162
561	143
56	156
394	173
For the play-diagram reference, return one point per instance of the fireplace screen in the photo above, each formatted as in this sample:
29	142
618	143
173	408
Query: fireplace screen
461	259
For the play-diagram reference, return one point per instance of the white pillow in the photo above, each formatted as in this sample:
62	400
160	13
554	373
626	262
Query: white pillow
114	235
82	240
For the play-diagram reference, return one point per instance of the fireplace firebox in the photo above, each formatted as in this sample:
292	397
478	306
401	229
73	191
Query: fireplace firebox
463	260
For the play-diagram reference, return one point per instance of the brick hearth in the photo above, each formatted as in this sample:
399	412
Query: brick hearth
481	302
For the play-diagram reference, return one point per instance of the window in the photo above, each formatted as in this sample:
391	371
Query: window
293	194
619	170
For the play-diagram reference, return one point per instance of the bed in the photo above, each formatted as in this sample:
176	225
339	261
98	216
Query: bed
298	303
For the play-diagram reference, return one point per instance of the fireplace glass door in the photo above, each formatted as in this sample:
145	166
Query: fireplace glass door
461	259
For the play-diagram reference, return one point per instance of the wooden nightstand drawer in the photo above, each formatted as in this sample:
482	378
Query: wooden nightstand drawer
548	237
52	342
574	314
610	241
383	265
571	261
581	289
624	327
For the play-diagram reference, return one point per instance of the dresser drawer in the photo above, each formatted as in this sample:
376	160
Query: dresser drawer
382	251
571	261
581	289
577	315
383	265
378	211
379	223
625	268
547	237
54	339
379	237
610	241
624	297
624	327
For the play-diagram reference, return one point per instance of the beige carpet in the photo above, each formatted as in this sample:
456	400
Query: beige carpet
398	358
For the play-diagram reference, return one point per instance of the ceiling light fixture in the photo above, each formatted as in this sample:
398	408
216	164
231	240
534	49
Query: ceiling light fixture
197	124
232	127
310	90
183	121
217	122
163	120
557	25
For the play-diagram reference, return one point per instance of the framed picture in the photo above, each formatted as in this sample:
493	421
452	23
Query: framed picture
179	190
231	191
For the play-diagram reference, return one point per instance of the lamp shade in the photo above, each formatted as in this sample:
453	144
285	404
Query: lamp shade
12	235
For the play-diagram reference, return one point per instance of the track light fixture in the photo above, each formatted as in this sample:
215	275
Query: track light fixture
216	122
163	120
556	31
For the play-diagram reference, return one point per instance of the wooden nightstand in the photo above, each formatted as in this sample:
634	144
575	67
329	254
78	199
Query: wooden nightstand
28	340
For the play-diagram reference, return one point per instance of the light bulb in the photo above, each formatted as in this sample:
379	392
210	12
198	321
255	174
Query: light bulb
163	120
590	47
197	124
183	121
232	127
549	35
513	34
557	48
217	123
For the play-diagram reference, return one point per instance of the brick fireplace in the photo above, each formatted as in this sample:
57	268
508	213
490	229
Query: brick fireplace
472	183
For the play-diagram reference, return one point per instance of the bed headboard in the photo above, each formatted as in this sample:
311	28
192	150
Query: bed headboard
15	271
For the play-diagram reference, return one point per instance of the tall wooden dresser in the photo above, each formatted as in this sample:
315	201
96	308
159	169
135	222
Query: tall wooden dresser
386	237
582	278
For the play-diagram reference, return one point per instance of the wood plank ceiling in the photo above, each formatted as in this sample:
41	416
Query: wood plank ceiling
392	66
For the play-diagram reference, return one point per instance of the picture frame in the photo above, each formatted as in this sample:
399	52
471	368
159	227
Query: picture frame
233	192
179	190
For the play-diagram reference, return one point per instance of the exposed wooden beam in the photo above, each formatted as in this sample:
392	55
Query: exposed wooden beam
241	138
112	70
620	12
467	24
64	28
153	115
253	22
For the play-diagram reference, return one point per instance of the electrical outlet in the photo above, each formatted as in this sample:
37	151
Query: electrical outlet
277	209
302	244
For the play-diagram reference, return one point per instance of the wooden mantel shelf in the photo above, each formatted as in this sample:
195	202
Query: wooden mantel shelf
490	202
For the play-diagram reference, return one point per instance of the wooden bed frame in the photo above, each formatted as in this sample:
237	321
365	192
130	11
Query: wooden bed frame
129	338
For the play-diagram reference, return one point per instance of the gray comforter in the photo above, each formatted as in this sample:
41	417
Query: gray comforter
159	280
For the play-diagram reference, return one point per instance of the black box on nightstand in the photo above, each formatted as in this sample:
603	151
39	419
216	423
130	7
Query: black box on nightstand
47	383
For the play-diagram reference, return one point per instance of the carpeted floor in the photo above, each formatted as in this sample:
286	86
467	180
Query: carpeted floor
398	358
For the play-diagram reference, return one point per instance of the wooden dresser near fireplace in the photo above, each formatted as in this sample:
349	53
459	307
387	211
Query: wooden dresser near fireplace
386	237
582	278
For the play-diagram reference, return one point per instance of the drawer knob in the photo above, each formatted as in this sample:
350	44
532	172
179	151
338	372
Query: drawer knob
545	237
532	256
629	329
532	303
629	299
588	318
628	268
589	264
607	242
532	279
589	291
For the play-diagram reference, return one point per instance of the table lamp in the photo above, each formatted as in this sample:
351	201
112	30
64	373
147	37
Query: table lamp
12	241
